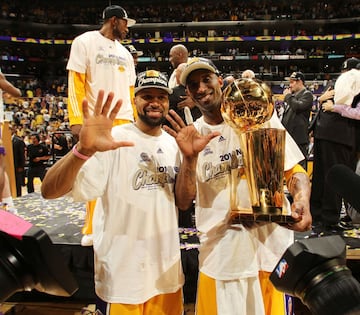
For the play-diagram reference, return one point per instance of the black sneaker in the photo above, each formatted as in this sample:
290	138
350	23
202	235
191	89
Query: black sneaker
346	225
346	218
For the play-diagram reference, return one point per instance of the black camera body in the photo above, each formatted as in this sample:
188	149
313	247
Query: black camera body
28	260
302	257
314	270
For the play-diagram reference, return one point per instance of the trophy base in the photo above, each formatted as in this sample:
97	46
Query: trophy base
274	215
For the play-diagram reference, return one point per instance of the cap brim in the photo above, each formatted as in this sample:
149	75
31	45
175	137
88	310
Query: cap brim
130	22
153	86
195	66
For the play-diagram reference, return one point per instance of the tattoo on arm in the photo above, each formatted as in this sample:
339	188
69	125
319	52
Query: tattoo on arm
299	186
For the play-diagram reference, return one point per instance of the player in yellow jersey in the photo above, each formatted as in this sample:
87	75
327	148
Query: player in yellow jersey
234	260
99	61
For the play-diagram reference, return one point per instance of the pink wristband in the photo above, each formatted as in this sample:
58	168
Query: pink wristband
79	155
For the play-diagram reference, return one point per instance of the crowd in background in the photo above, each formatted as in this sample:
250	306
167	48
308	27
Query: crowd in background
42	11
20	19
42	113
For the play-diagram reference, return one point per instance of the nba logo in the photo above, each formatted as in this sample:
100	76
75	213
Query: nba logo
281	268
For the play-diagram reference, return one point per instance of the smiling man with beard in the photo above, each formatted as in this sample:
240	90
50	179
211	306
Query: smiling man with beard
154	114
131	171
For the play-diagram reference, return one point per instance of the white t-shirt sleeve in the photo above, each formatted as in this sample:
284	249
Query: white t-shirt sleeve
77	58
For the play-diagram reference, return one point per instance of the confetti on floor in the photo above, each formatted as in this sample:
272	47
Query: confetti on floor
61	218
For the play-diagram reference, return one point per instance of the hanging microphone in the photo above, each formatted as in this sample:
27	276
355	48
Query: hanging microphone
346	183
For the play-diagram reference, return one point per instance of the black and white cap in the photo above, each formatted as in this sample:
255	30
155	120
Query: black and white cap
119	12
297	76
134	51
350	63
152	79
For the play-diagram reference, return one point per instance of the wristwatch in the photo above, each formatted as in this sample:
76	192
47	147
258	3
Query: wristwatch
2	150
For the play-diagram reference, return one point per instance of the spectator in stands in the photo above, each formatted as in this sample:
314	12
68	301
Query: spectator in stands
99	61
248	73
334	143
19	155
348	89
135	53
179	57
179	99
298	102
131	169
60	144
229	270
178	54
38	156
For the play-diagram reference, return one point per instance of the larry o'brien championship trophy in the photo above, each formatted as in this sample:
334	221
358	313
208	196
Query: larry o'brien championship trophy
246	106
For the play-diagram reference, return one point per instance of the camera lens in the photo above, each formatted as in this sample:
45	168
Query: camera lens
330	289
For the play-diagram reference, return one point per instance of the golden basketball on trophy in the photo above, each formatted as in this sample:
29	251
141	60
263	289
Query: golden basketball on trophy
247	105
